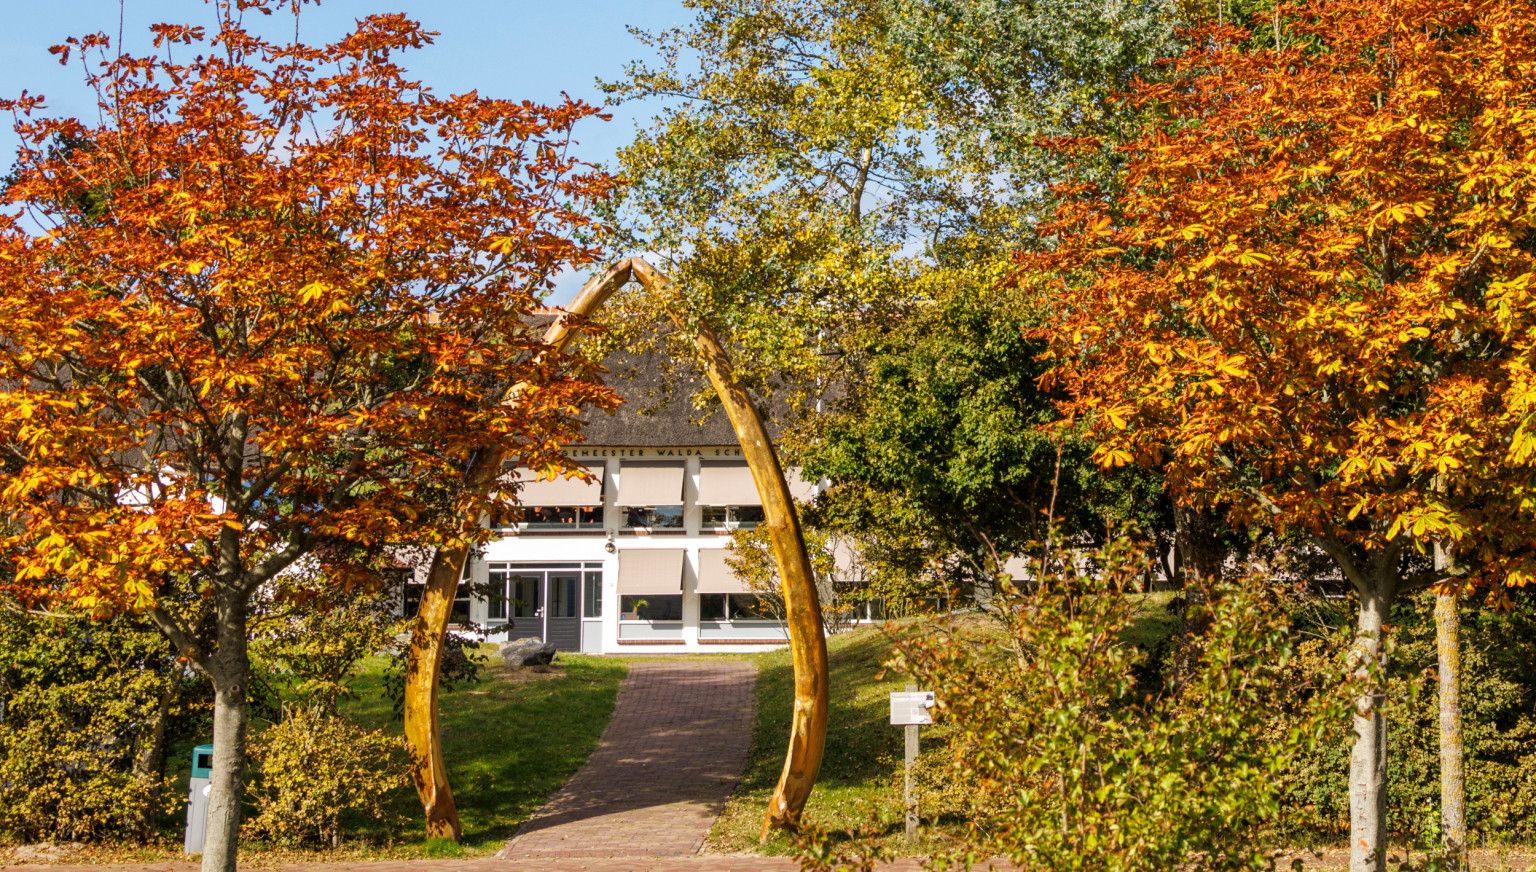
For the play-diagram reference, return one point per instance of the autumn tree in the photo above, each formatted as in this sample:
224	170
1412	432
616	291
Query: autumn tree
1310	296
255	314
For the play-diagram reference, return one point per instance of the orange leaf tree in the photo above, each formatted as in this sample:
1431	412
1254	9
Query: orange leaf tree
259	312
1310	295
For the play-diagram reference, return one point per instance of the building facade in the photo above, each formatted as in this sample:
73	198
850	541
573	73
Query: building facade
631	559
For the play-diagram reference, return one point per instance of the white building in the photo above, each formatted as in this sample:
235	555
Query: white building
632	561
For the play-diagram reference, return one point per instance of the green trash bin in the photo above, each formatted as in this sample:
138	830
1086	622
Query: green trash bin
197	799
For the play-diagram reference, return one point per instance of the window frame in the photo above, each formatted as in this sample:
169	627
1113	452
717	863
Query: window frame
680	527
731	521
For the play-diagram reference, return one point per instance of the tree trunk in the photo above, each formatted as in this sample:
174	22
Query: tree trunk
423	739
797	578
230	674
1368	759
429	629
1197	538
150	764
1453	811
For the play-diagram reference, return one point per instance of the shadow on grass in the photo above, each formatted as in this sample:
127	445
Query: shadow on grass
510	742
863	751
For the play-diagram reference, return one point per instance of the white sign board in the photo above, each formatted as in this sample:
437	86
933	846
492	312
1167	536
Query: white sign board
911	708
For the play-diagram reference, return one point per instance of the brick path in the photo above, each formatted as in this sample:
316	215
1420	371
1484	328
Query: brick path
704	863
668	761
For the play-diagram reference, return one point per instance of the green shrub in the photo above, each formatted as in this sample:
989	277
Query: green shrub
1053	755
1498	716
87	711
313	635
300	800
66	761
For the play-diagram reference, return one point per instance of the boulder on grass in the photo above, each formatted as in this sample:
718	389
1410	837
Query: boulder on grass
527	652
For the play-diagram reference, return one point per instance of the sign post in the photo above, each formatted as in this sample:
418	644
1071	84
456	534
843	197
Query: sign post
910	709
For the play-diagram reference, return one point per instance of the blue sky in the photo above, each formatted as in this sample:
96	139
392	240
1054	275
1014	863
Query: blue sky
519	49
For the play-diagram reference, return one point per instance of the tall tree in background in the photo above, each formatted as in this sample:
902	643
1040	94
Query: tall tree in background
259	312
947	425
766	189
1311	297
1001	76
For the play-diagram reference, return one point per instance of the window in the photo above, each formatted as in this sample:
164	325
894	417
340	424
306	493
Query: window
653	517
734	607
562	595
496	598
523	596
732	517
651	607
460	612
864	604
550	518
510	595
592	595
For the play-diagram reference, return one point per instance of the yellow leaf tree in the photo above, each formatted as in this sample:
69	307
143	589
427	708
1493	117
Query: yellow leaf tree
1309	295
258	313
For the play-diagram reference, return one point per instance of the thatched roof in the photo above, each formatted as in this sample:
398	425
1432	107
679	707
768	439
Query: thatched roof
657	411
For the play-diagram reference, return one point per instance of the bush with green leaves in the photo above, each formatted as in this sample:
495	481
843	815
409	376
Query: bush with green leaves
311	635
1051	753
87	711
1498	716
315	770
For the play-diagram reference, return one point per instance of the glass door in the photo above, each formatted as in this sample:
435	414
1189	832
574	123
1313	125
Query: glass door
533	601
562	615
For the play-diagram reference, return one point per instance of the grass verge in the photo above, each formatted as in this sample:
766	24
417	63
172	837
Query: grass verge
510	742
859	782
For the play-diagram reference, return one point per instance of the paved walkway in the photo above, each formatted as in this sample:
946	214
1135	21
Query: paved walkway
705	863
668	761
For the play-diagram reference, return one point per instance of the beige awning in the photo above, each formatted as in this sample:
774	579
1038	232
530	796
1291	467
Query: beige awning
650	571
650	484
715	575
800	490
561	491
727	485
846	565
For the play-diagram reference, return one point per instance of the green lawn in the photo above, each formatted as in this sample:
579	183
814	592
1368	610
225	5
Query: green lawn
858	782
510	742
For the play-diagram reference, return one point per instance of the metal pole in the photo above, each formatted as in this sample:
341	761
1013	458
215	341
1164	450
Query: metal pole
909	792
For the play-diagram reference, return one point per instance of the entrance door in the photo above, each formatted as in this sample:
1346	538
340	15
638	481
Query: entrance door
562	615
524	597
541	601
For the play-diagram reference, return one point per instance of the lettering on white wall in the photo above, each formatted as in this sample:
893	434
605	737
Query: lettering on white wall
643	453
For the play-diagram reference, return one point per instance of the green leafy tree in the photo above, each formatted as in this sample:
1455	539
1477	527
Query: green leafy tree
942	453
